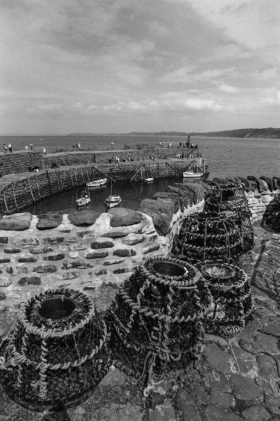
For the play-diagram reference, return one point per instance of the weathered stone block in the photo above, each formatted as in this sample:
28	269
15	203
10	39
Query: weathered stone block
124	217
29	280
54	256
45	269
12	250
49	221
95	255
101	244
83	218
16	222
124	252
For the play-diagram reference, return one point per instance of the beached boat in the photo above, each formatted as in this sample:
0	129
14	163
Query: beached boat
84	199
97	183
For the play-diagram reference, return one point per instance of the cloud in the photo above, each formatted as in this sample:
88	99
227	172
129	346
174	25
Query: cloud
227	88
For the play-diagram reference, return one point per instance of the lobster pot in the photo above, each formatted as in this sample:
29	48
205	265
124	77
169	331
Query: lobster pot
232	301
157	318
227	197
56	354
208	236
271	217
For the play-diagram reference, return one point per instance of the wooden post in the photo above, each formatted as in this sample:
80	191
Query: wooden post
38	187
82	175
5	201
14	197
75	176
48	176
30	187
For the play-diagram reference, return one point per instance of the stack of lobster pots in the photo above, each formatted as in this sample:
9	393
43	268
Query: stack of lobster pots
212	241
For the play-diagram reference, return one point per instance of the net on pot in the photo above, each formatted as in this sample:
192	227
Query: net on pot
232	300
157	318
56	353
227	197
208	236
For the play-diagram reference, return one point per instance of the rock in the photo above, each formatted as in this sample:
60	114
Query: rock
2	296
218	359
218	381
244	388
150	248
163	412
268	181
276	183
4	240
214	413
76	265
16	222
5	282
114	378
133	239
185	197
70	275
49	221
54	256
100	272
196	190
54	240
26	242
102	244
123	217
267	367
12	250
185	403
169	196
29	280
83	218
73	254
246	182
122	270
221	398
115	234
26	259
5	259
40	250
262	185
113	262
124	252
45	269
150	205
256	413
95	255
200	394
246	362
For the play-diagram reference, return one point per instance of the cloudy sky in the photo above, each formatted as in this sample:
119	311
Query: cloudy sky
138	65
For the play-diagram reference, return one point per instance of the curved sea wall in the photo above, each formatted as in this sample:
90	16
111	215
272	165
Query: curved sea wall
19	191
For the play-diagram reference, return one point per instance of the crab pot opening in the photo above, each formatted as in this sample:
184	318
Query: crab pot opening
157	318
169	268
56	308
60	343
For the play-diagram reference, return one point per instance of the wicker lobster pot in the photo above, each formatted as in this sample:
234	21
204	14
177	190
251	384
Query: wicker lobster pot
157	318
56	354
227	197
208	236
232	301
231	198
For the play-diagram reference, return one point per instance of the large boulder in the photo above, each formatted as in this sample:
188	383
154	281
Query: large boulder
196	190
49	221
16	222
122	217
169	196
186	197
262	185
276	183
246	182
268	180
160	212
219	180
83	218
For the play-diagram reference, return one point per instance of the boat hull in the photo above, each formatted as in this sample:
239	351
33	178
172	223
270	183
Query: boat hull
82	202
97	183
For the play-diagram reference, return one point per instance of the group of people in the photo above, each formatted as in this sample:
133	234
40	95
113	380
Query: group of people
7	149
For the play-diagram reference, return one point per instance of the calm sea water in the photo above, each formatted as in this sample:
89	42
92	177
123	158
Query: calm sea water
227	157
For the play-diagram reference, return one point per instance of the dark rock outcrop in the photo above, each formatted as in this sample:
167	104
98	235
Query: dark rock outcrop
49	221
18	222
82	218
122	217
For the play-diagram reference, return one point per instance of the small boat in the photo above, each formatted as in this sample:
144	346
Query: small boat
113	200
97	183
84	199
191	174
148	180
112	143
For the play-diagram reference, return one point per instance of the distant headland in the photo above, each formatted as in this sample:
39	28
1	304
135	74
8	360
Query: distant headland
269	133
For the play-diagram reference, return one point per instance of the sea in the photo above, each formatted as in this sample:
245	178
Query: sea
226	157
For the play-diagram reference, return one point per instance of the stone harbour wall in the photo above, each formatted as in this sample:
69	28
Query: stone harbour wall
19	162
32	187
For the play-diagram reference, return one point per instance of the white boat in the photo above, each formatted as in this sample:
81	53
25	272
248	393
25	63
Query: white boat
84	199
191	174
112	201
97	183
148	180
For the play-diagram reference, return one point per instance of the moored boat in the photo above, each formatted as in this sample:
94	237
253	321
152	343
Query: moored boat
148	180
112	201
84	199
97	183
191	174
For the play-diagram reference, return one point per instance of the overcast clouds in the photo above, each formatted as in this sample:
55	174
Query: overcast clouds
126	65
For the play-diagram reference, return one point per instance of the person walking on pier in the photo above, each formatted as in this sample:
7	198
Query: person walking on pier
10	148
5	148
